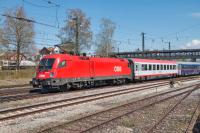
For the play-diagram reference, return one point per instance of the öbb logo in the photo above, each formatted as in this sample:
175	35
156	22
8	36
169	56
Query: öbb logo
117	68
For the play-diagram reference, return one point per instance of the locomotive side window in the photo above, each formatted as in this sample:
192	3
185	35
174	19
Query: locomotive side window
62	64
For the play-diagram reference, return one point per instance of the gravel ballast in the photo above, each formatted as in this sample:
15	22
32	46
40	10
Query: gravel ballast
56	117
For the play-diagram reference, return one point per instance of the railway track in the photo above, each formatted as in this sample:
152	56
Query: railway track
43	107
170	115
21	94
10	97
70	102
8	92
103	118
13	86
168	112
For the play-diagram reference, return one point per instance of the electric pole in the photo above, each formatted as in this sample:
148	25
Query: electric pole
142	34
169	45
77	35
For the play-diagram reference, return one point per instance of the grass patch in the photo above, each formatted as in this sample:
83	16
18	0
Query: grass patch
14	74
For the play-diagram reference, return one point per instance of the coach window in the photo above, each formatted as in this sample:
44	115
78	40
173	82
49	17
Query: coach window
62	64
158	67
154	67
143	67
161	67
164	67
170	67
150	67
174	67
146	67
136	67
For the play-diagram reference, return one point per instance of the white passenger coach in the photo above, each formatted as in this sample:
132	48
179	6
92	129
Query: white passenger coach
148	69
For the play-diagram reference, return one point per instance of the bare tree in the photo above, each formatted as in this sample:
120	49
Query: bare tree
17	32
104	40
77	30
3	42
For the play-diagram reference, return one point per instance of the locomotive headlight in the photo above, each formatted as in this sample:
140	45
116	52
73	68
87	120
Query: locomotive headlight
51	74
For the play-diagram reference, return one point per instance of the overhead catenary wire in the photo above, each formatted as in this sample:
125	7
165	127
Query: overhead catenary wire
36	5
153	39
53	5
37	43
29	20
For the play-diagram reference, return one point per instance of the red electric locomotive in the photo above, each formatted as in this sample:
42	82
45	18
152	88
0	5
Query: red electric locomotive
63	71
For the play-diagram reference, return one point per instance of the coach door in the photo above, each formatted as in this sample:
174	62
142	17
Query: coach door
131	66
92	74
137	68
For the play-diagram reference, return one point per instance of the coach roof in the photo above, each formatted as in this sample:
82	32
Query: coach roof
153	61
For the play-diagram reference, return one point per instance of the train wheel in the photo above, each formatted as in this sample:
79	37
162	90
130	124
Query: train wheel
44	90
64	88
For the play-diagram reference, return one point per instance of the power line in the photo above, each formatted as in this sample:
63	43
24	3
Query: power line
54	5
29	20
37	43
38	38
177	33
36	5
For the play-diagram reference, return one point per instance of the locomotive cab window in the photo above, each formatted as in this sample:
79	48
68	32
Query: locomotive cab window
62	64
46	64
